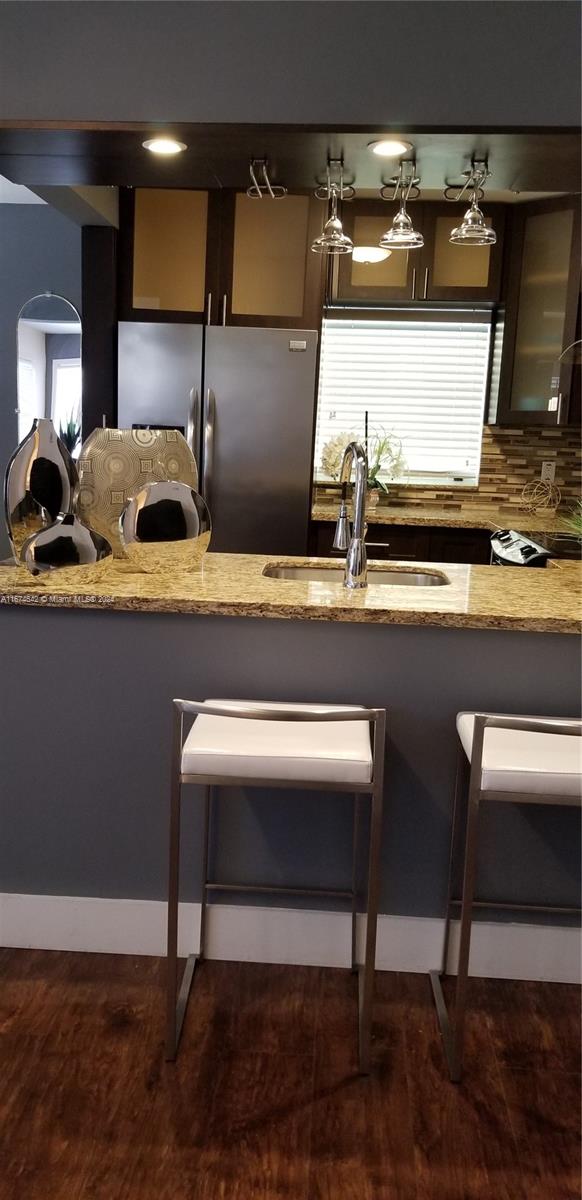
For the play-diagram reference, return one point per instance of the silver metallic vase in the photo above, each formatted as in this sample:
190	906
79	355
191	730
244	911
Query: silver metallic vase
41	482
165	527
67	546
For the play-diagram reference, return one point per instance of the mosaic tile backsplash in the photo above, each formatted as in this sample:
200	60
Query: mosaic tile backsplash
510	459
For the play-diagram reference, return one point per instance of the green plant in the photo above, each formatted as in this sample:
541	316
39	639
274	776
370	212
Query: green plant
573	521
384	451
70	432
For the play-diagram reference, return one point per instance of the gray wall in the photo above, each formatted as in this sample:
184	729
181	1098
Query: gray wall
39	251
85	752
427	62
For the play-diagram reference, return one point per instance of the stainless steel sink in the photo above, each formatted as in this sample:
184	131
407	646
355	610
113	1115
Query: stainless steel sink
377	576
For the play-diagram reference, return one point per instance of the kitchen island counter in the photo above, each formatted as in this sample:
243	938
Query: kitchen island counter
475	597
86	686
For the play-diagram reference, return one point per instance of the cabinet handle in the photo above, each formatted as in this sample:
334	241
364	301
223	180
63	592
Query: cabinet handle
224	309
563	409
378	545
208	308
425	289
413	292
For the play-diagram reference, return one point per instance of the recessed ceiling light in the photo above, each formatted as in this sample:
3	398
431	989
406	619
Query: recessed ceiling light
370	254
389	147
164	145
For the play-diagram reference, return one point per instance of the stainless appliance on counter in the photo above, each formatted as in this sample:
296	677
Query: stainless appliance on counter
245	400
512	549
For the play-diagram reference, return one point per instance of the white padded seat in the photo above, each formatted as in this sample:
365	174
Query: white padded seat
514	760
322	751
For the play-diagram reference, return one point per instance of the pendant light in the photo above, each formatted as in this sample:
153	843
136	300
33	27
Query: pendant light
332	239
473	231
402	235
370	254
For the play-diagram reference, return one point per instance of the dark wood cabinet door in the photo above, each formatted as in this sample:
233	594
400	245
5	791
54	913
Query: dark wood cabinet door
412	543
460	546
396	277
539	380
456	272
168	254
406	542
269	275
383	542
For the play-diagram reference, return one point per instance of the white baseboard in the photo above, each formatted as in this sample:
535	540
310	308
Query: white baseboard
281	935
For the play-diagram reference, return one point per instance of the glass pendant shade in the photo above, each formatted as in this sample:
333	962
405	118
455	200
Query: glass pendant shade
370	254
473	231
333	240
402	235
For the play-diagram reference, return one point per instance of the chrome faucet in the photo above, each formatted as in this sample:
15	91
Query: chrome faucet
356	568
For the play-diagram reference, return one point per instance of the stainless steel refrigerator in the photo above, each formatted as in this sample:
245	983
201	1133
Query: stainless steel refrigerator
253	435
159	376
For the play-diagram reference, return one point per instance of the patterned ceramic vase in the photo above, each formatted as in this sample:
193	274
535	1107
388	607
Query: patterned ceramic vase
166	528
41	483
115	464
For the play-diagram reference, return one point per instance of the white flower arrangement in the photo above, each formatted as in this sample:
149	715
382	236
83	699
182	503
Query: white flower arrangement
384	451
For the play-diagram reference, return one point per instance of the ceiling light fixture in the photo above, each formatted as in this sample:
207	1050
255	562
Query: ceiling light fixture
164	145
473	231
370	254
402	235
391	147
332	239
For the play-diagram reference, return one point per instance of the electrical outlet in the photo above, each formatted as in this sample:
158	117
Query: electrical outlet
548	472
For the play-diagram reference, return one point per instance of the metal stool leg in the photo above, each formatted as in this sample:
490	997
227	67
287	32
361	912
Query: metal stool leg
465	939
173	889
177	1001
455	827
208	798
355	849
366	978
452	1032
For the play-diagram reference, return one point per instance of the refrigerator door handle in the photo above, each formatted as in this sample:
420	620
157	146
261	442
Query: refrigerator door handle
193	421
209	420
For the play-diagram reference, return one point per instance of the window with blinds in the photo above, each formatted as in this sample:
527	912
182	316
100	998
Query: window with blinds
423	380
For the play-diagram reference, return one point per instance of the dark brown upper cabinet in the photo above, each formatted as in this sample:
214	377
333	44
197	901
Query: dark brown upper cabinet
396	278
456	272
219	257
542	315
268	273
168	254
438	271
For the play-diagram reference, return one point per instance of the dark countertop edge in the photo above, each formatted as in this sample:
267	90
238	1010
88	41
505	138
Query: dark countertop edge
446	620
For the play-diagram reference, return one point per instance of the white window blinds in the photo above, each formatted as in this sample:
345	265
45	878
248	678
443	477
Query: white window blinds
424	381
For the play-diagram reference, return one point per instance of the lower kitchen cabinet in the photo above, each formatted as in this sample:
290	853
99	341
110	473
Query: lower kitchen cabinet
420	543
460	545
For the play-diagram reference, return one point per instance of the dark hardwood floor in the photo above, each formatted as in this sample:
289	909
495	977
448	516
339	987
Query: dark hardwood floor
264	1101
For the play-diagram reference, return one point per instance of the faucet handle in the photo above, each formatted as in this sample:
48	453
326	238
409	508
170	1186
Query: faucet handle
343	533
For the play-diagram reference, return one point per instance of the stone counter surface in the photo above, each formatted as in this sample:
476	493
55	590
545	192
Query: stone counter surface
465	516
477	597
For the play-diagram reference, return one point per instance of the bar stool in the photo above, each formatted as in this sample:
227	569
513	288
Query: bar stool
266	745
517	760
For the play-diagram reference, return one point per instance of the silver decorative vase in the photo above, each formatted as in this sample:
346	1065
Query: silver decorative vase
41	482
68	547
165	527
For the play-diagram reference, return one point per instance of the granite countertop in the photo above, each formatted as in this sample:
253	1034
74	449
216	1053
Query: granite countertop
465	516
477	597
